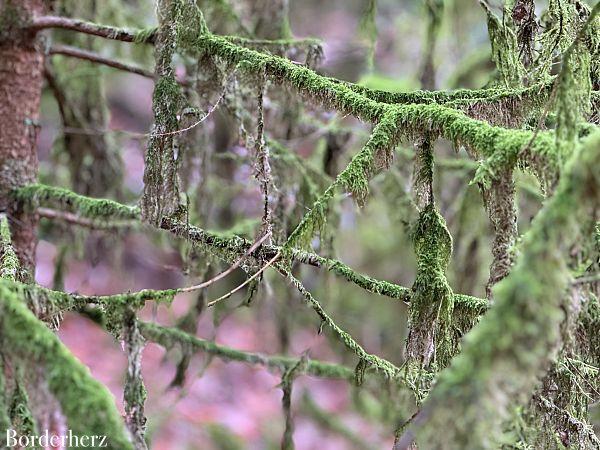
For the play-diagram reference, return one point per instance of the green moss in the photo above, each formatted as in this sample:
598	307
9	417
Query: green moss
87	404
170	338
505	50
355	178
512	345
48	303
380	365
574	88
180	25
9	263
145	35
431	339
21	418
36	195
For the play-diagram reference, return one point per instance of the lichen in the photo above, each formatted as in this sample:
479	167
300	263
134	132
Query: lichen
505	50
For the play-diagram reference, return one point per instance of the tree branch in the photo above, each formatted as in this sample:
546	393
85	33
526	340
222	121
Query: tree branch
102	213
87	55
169	337
82	26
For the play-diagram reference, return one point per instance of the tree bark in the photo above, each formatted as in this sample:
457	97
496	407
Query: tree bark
21	76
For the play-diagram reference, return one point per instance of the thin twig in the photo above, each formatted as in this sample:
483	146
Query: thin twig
233	291
135	135
87	55
234	266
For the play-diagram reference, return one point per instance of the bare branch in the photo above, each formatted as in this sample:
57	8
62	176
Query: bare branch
82	26
79	53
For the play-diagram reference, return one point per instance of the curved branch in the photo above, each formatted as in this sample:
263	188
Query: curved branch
87	55
82	26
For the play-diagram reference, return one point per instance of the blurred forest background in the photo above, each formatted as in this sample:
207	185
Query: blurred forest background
224	406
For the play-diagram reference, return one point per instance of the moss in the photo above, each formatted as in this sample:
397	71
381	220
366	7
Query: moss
368	28
47	303
87	404
145	35
574	86
20	414
505	51
380	365
9	263
516	340
170	338
503	147
35	195
180	25
430	343
354	178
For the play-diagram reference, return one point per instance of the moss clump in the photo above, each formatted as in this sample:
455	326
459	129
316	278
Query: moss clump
9	263
505	50
355	178
430	343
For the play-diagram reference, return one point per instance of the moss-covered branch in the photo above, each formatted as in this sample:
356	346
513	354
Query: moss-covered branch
46	303
35	195
366	359
87	404
171	337
39	195
516	340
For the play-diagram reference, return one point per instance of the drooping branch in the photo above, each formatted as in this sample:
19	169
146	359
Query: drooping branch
366	359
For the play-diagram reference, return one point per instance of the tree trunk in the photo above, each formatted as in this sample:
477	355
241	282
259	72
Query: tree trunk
21	75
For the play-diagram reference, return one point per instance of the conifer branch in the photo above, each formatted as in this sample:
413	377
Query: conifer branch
170	337
101	213
86	403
